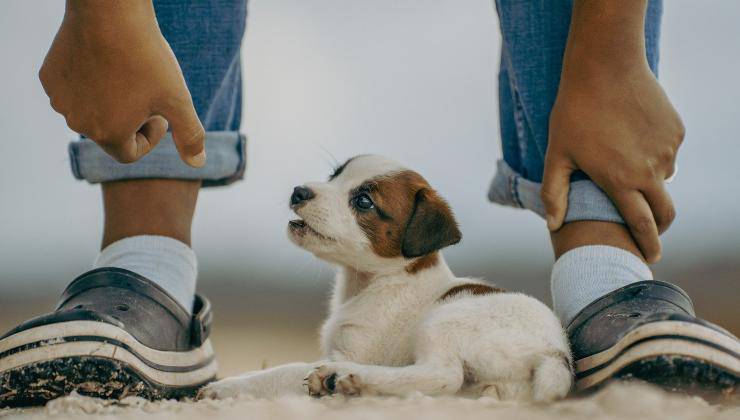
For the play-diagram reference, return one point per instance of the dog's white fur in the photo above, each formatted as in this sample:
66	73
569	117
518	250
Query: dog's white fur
389	333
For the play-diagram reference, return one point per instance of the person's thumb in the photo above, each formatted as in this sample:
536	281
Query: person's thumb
187	132
149	134
554	192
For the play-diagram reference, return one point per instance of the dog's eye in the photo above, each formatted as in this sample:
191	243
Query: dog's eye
363	202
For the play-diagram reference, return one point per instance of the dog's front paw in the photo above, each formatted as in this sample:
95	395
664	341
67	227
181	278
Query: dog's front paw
333	379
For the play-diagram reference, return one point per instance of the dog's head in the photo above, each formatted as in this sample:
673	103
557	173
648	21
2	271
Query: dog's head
373	215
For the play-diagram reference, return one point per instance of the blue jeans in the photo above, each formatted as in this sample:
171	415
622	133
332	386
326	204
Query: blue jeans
206	38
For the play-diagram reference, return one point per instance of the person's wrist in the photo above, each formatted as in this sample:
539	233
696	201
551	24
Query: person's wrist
98	11
588	68
606	39
110	24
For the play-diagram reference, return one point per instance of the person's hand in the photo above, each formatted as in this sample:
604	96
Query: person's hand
114	78
624	134
613	121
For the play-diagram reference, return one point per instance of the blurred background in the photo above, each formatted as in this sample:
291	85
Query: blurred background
330	79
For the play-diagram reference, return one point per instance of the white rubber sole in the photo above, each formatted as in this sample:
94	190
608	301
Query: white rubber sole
665	338
54	332
109	351
177	369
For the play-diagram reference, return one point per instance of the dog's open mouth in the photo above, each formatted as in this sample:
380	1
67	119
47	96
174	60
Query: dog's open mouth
300	227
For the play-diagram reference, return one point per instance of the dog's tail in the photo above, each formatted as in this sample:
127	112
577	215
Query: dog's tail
553	377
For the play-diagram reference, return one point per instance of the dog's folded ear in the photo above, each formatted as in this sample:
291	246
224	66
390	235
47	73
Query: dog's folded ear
431	227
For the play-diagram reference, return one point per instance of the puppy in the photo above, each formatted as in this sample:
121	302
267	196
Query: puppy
400	321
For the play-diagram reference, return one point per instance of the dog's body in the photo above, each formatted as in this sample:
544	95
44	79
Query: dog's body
400	321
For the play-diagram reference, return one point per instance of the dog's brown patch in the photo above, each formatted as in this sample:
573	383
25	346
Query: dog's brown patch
472	288
409	218
393	196
422	263
431	226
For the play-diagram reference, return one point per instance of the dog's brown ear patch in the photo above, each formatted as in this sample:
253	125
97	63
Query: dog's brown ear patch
431	227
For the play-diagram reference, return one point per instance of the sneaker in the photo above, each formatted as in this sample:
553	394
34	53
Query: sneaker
113	334
648	330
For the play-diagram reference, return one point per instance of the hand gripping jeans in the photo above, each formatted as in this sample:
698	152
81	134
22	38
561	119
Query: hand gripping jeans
206	37
533	36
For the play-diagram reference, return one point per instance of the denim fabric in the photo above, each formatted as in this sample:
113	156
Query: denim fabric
206	37
225	151
534	34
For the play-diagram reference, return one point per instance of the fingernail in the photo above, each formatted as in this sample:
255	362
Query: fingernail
199	160
550	222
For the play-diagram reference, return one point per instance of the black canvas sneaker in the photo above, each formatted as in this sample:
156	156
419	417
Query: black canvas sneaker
647	330
113	334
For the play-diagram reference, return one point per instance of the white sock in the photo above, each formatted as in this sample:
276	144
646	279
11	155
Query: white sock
167	262
584	274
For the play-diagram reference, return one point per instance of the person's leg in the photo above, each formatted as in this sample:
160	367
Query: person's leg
533	43
133	325
162	207
149	205
147	231
617	317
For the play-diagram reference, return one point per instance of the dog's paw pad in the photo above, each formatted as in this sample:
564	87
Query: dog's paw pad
320	381
349	384
328	380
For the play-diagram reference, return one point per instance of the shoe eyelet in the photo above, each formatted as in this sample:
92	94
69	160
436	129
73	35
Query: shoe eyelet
122	307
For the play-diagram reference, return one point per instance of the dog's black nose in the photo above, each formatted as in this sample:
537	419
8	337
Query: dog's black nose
300	194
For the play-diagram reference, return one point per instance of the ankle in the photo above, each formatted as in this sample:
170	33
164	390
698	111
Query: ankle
160	207
589	232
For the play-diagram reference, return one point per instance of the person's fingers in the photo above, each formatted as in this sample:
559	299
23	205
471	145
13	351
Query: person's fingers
639	218
149	134
187	132
127	146
554	192
124	149
661	204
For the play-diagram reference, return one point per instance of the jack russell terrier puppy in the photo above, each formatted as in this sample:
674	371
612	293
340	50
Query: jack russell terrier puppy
400	321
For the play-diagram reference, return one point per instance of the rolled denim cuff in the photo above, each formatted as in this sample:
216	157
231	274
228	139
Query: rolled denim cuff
586	201
225	161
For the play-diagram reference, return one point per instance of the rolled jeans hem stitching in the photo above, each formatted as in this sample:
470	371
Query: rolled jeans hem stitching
225	162
586	201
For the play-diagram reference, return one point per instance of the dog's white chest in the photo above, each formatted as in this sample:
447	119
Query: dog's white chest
361	333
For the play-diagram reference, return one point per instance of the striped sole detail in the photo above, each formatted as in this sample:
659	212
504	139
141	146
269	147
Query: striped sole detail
97	359
666	338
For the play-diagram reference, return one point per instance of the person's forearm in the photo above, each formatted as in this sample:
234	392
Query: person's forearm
606	35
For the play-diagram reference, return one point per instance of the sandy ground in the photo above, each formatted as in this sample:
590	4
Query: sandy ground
256	345
271	332
614	402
